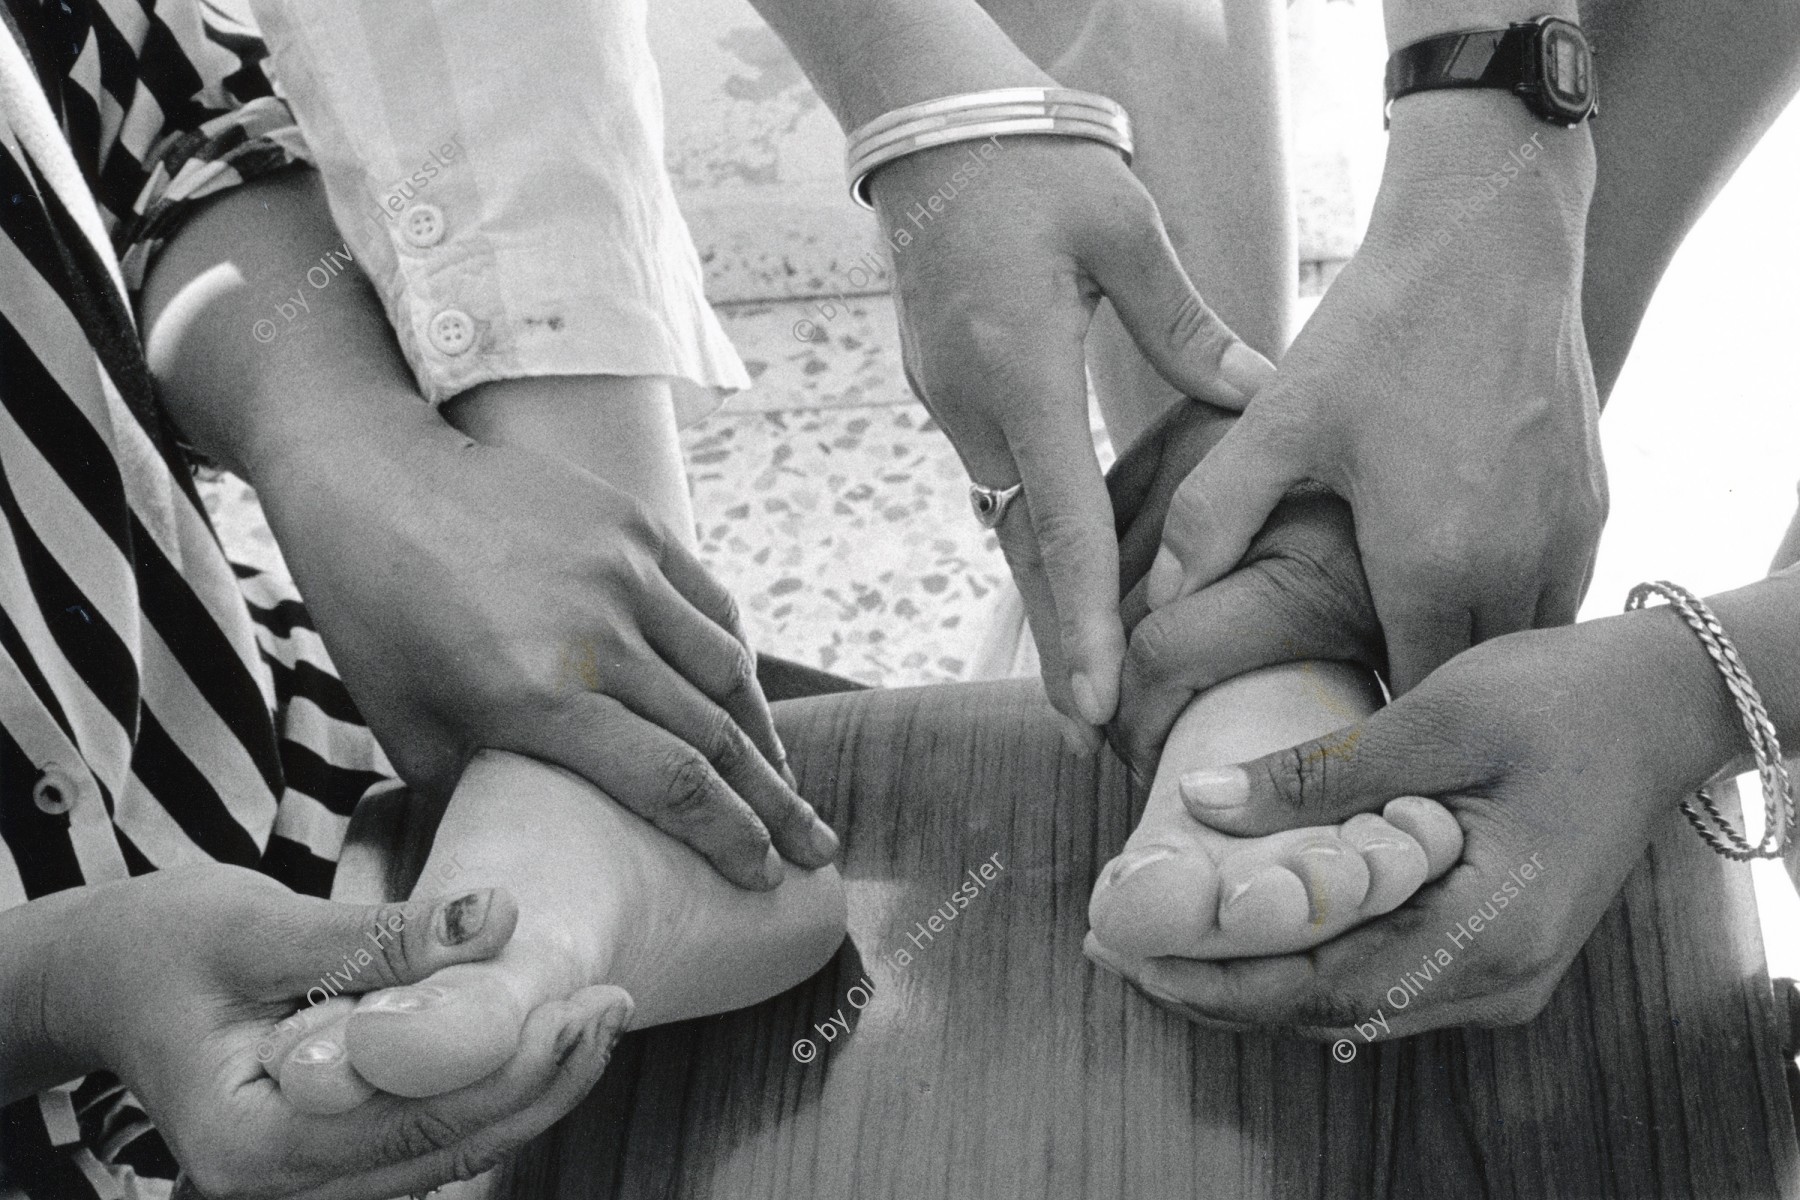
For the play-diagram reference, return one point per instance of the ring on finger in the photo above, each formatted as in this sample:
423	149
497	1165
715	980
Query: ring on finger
990	504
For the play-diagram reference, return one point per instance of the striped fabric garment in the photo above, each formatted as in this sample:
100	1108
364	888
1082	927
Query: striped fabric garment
157	706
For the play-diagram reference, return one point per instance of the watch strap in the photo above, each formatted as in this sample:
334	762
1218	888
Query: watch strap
1478	58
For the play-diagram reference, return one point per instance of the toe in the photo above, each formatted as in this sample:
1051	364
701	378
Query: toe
1156	901
1268	908
460	1025
1432	826
1397	864
1336	879
316	1076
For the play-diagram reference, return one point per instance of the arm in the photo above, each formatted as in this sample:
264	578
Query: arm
32	940
470	595
996	291
1686	92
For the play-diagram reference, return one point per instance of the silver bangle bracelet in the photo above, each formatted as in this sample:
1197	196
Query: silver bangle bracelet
979	116
973	100
1778	792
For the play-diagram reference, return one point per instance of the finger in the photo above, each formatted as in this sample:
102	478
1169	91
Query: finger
672	702
1561	599
666	781
1242	622
1069	519
1143	482
330	948
1421	636
1328	780
1217	512
390	1147
728	677
1501	615
1157	303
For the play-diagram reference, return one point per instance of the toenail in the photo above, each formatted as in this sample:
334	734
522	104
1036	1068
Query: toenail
1128	863
824	840
462	918
402	1000
317	1052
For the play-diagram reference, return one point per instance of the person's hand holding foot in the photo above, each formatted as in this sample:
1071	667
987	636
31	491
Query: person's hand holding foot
1181	888
603	897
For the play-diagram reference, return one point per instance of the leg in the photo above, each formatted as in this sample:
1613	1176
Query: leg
1205	82
1180	888
603	897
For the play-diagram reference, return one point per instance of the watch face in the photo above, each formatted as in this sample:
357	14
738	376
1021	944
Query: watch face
1567	68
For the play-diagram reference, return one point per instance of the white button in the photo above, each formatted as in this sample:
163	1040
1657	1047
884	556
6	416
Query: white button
56	790
452	332
423	226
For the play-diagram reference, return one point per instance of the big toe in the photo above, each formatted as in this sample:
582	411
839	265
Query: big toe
1156	900
457	1026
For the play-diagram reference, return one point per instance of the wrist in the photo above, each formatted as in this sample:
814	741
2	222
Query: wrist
1476	181
44	1037
1701	733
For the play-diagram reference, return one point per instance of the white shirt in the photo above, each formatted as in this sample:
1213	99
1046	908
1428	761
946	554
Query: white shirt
497	171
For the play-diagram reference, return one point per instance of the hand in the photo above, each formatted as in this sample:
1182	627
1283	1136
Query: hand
1557	751
1443	389
477	596
1298	594
995	293
171	980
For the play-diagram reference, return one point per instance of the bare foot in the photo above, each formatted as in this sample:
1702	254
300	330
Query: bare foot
603	897
1180	888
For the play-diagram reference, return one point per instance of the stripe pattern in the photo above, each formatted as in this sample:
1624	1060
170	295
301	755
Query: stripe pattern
158	706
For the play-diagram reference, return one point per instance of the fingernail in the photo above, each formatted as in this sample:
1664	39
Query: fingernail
1082	740
460	919
1128	864
1087	698
824	840
1245	369
402	1000
1164	582
1216	789
773	869
317	1052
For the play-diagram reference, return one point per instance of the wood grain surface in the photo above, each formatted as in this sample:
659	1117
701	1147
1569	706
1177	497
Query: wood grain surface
999	1063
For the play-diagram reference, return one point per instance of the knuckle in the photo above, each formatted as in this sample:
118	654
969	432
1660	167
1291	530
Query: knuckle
688	793
418	1134
740	679
404	918
1151	655
726	746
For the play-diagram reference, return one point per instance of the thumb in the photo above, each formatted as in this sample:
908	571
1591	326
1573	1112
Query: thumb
1217	512
1359	768
353	948
1184	339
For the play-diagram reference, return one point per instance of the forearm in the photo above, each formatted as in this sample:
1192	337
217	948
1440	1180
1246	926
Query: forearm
1685	92
33	939
866	57
328	381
